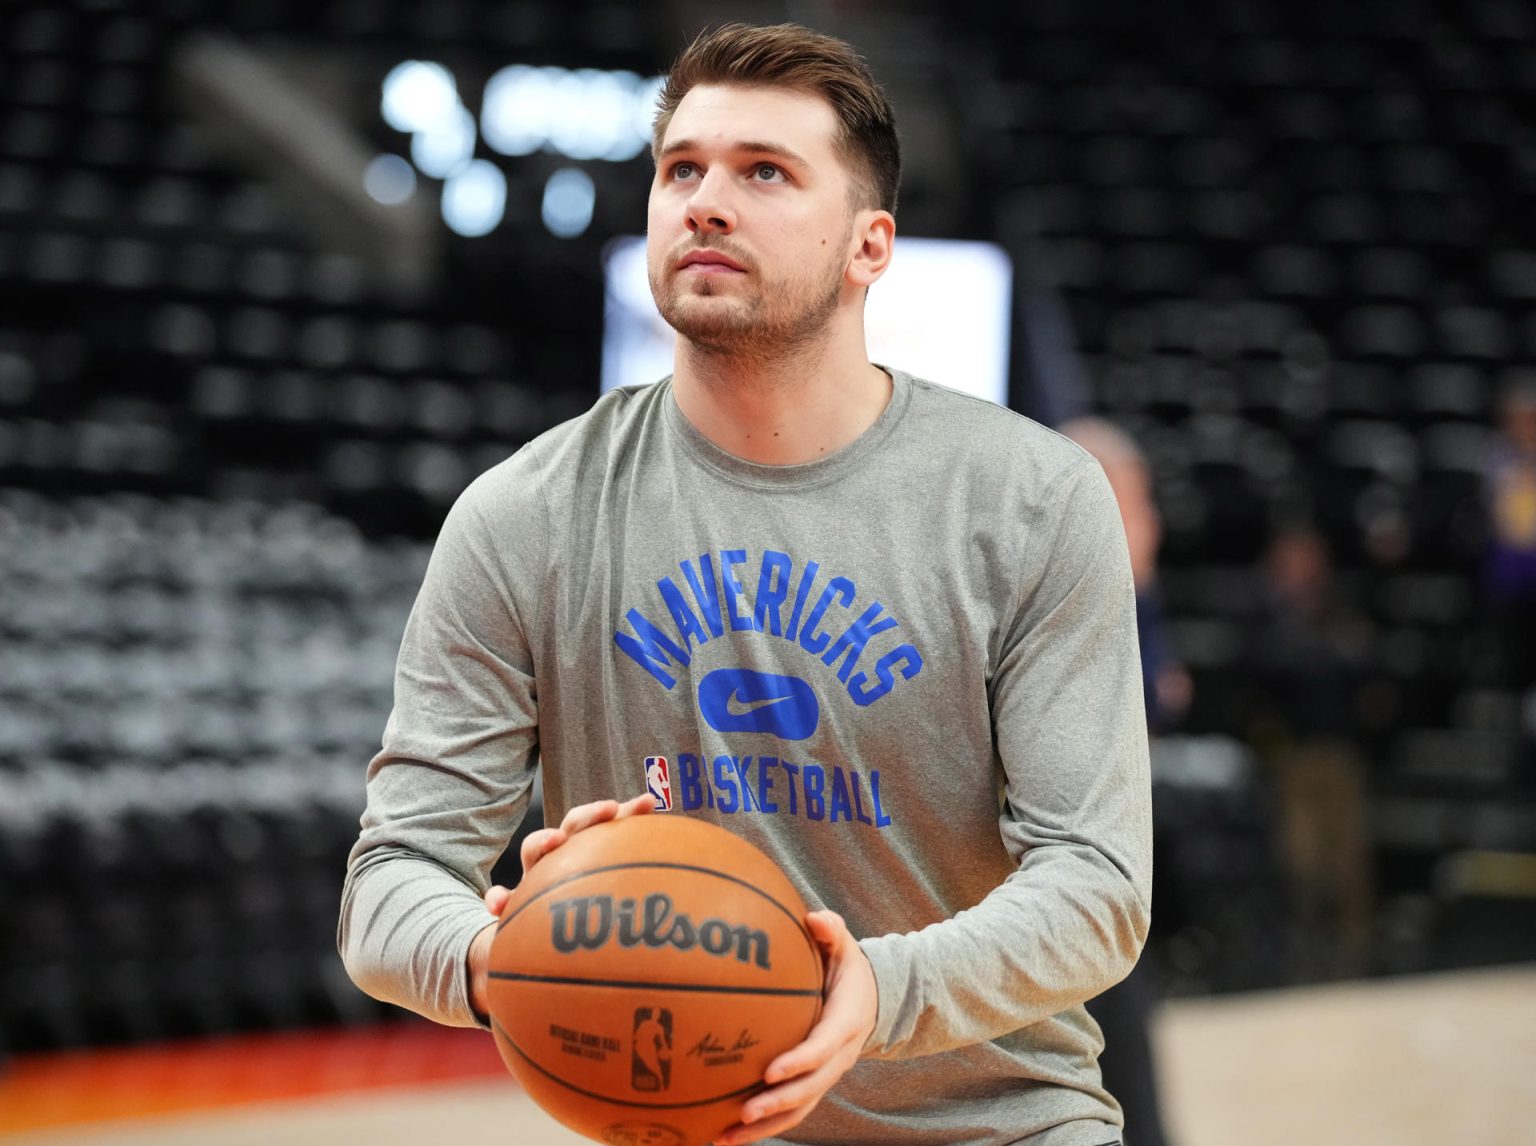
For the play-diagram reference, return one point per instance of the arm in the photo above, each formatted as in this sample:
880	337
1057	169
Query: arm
1070	736
454	776
1070	921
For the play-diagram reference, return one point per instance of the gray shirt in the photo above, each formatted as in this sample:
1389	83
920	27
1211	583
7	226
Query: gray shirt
908	671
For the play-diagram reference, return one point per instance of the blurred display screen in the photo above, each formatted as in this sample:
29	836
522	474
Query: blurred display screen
941	311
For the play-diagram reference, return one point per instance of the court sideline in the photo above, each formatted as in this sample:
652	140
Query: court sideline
1419	1061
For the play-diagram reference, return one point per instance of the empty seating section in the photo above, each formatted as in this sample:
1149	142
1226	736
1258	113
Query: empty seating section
1290	240
1293	243
189	689
223	455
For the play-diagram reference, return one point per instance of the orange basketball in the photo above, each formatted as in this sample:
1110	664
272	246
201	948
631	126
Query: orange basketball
644	975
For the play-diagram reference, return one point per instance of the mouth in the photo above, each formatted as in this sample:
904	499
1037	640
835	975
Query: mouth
706	261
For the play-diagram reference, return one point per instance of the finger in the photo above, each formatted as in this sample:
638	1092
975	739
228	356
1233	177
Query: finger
742	1133
641	805
828	929
835	1037
496	898
804	1091
537	845
585	815
841	1018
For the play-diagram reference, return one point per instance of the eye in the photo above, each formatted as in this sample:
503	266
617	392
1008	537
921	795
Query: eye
768	173
684	170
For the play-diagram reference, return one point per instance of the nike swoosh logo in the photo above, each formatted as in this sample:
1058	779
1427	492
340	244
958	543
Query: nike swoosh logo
747	700
736	706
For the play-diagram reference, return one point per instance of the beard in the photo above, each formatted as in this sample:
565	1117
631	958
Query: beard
778	317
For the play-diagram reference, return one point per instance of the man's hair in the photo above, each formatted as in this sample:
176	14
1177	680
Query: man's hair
790	56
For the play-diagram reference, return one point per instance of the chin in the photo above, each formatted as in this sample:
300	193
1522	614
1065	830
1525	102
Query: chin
705	313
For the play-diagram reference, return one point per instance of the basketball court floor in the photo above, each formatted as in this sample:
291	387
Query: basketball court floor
1442	1060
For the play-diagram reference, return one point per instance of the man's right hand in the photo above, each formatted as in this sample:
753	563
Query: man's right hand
537	845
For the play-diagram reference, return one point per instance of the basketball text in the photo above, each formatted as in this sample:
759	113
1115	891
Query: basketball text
589	922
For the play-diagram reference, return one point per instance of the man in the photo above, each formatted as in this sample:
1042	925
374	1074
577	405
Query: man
881	630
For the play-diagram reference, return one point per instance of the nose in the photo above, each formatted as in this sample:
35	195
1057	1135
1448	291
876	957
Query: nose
709	207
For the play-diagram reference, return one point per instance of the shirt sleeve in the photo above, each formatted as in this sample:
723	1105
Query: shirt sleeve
1070	736
455	773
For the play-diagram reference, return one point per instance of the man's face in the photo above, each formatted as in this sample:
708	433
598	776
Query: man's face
750	227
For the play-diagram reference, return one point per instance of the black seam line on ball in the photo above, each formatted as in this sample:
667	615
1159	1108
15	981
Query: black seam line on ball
646	864
555	1078
644	985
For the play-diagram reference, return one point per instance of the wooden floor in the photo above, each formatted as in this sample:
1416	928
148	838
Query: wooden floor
1436	1061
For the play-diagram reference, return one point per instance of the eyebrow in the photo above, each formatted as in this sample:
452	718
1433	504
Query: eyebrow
750	146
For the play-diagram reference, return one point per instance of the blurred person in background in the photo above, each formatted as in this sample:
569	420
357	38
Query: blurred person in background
1310	674
1509	567
1124	1011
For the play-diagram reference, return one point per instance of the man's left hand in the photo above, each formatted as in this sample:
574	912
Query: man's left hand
799	1077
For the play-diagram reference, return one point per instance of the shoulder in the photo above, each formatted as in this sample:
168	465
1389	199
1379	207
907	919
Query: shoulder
577	452
997	444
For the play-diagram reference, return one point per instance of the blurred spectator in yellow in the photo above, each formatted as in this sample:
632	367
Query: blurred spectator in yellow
1309	671
1510	564
1123	1011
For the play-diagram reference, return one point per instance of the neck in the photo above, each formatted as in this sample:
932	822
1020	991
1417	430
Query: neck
790	407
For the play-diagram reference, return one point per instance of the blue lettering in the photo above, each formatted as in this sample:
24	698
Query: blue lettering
734	590
652	650
911	662
791	770
688	627
850	646
705	591
840	802
811	640
770	596
730	798
765	783
824	792
881	819
689	781
815	786
858	802
743	766
801	593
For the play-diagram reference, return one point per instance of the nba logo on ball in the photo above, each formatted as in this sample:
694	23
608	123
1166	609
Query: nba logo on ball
651	1062
658	782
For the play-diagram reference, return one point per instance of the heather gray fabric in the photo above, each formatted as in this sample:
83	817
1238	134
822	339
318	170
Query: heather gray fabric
908	671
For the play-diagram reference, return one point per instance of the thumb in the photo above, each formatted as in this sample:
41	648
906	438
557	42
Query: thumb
496	898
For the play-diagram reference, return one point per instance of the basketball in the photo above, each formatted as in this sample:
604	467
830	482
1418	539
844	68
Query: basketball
643	976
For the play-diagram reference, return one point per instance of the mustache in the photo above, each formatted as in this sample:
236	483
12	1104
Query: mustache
685	248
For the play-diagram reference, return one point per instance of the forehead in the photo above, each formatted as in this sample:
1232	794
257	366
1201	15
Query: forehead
727	115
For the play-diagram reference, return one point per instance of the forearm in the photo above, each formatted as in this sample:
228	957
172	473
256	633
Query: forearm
1067	926
405	931
1070	735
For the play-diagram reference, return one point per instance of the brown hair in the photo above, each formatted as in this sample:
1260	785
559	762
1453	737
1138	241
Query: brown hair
794	57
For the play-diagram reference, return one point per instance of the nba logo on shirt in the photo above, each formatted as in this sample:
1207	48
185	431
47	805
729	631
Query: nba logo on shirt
658	782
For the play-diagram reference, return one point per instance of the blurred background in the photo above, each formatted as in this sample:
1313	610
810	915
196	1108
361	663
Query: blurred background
278	279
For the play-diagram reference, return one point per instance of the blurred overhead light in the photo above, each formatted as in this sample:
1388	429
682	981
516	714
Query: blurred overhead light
389	179
569	197
418	96
446	149
515	114
584	114
475	199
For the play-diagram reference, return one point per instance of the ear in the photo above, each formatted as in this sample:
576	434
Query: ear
874	232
